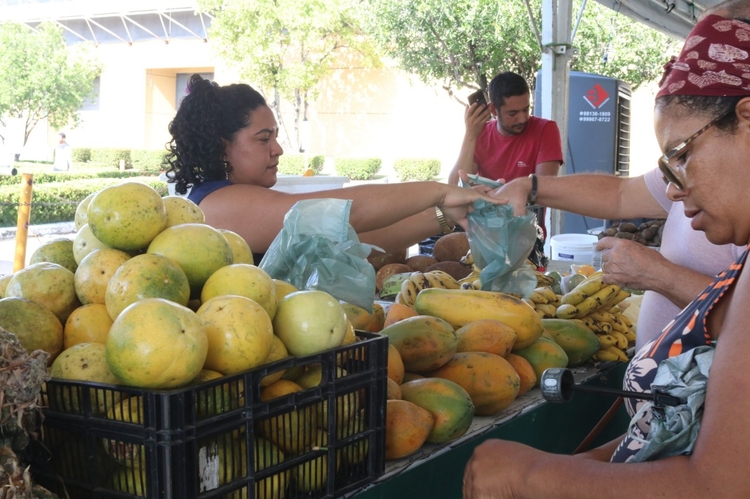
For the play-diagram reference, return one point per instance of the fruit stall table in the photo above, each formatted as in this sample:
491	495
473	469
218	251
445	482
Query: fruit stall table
437	470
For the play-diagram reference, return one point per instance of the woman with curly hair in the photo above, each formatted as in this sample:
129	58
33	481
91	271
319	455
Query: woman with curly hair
224	147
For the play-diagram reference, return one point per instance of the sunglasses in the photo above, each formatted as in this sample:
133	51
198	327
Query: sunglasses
670	172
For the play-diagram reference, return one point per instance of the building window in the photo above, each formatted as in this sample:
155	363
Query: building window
92	102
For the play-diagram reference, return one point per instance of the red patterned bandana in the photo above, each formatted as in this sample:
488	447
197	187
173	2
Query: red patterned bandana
715	60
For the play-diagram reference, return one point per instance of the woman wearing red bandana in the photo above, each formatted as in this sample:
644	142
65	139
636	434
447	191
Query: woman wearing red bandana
702	123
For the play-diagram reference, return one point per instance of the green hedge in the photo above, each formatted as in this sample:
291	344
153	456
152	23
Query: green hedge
81	155
148	160
294	164
358	168
57	201
110	157
49	177
416	169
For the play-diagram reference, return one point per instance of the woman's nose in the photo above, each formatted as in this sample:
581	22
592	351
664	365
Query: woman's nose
673	193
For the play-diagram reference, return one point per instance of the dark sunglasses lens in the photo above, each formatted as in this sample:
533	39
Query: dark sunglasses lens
669	175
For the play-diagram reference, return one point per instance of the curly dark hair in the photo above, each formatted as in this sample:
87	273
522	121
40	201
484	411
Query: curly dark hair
208	116
707	105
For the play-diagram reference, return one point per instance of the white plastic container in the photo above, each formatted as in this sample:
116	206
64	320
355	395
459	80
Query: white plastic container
297	183
573	247
291	183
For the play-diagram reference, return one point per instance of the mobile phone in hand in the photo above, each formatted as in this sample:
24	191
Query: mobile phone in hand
477	97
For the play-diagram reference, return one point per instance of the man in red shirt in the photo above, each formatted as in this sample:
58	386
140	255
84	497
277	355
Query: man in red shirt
512	145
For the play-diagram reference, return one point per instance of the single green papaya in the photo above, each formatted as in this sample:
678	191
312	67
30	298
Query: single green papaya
424	342
543	354
450	405
579	342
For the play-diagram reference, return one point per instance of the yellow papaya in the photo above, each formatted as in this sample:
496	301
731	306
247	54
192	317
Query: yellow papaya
450	405
460	307
486	335
358	316
424	342
491	382
579	342
543	354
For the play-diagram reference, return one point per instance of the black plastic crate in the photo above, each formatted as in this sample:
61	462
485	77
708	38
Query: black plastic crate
218	439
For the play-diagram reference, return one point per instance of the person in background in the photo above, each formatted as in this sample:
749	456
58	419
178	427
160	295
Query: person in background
63	155
512	145
224	148
702	123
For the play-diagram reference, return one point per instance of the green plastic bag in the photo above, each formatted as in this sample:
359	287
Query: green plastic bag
317	248
500	243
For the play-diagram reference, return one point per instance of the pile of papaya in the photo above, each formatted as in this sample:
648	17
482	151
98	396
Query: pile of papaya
460	353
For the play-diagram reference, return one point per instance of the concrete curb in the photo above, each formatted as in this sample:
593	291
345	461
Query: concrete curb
40	230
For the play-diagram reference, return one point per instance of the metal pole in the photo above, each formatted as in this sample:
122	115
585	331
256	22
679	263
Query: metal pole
24	216
556	53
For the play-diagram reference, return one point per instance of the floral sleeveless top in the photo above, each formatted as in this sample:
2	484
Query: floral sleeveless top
685	332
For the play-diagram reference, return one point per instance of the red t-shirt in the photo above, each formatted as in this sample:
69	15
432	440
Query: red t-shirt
513	156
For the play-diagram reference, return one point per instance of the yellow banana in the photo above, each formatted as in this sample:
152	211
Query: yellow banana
615	309
548	309
624	319
540	313
537	297
622	341
619	326
601	316
528	302
469	278
408	293
477	284
547	292
440	279
607	355
566	311
420	280
621	356
606	340
467	259
630	335
596	300
616	298
592	324
583	291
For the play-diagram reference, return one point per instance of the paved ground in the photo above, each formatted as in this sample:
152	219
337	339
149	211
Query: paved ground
37	235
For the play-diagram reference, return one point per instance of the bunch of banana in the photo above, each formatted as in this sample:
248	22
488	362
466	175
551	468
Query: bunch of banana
594	304
544	300
418	281
471	281
467	260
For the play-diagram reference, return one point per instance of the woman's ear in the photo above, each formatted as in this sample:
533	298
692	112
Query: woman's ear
743	112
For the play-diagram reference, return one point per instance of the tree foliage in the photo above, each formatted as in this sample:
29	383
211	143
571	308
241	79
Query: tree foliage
458	44
463	44
43	77
286	46
614	45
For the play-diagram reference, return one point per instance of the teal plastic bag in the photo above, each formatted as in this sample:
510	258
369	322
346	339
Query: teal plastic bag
317	248
674	429
500	243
